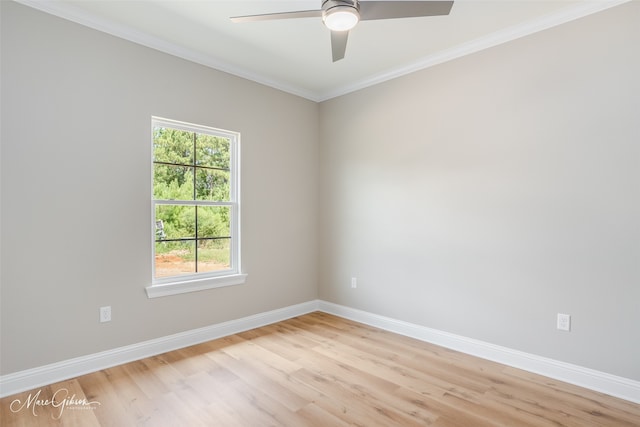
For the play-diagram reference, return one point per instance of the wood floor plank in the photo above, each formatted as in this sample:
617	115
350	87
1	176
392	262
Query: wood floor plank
314	415
371	389
264	377
318	370
97	387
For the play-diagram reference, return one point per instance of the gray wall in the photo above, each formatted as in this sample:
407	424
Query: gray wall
76	150
485	195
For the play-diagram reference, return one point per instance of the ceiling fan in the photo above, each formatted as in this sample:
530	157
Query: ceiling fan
340	16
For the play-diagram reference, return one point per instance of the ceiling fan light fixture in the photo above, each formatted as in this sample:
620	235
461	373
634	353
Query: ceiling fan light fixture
341	18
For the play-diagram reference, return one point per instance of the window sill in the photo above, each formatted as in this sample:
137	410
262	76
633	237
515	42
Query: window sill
181	287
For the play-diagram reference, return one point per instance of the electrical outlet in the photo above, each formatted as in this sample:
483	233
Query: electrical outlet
564	322
354	282
105	314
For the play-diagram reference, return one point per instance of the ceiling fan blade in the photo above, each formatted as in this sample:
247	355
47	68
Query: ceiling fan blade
370	10
282	15
338	44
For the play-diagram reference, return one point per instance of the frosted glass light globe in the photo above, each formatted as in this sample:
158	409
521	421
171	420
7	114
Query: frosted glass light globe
341	18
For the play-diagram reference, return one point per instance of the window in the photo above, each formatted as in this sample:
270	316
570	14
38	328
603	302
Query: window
196	242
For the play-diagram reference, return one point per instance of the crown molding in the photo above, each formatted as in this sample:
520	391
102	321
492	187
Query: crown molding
79	16
494	39
72	13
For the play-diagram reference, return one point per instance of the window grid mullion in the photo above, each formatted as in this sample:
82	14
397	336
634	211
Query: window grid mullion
191	202
195	162
188	166
192	239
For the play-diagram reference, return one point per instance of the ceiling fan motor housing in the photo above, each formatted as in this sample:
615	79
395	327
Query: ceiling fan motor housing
328	4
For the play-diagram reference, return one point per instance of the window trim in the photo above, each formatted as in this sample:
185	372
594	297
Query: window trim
193	285
206	280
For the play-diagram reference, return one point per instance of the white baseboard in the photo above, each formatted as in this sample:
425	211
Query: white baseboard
595	380
60	371
612	385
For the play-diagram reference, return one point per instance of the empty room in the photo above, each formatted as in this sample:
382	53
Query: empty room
320	213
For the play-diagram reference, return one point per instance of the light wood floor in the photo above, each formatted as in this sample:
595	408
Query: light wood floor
315	370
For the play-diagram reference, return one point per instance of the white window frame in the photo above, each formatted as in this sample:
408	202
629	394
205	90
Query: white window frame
207	280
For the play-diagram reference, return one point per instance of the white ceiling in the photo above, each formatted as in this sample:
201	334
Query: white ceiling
295	54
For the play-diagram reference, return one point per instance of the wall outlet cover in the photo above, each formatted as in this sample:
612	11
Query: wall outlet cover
564	322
